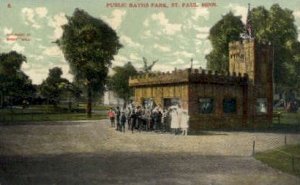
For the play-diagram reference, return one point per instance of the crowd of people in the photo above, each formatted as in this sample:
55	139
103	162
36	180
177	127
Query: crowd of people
173	119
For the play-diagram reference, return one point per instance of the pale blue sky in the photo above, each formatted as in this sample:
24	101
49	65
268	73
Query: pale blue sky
172	35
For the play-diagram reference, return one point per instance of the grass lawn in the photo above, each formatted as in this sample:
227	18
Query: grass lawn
281	159
94	107
48	113
48	117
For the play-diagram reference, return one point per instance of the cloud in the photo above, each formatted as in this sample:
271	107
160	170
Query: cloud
56	22
202	35
116	18
201	12
203	32
53	51
146	23
36	75
29	15
133	56
127	41
9	39
42	47
41	11
204	29
162	67
147	33
66	70
183	54
162	48
7	30
297	14
239	10
36	57
198	42
168	28
25	66
120	60
207	51
178	61
18	48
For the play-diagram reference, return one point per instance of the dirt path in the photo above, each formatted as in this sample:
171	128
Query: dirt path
93	153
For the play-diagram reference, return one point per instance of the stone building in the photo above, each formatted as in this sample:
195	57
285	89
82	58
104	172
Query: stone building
241	98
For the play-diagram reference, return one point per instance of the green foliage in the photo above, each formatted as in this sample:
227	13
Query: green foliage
119	81
226	30
89	45
52	87
13	81
276	26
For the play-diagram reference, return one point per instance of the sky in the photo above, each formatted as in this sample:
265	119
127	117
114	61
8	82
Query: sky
172	35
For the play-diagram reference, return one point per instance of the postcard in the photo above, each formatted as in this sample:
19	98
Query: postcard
149	92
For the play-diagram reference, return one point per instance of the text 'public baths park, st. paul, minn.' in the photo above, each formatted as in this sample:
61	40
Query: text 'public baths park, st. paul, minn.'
149	92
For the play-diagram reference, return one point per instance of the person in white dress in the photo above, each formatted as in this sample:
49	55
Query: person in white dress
174	118
185	122
179	112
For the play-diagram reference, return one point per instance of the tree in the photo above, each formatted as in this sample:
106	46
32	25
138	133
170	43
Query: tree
224	31
276	26
89	45
70	92
119	81
14	83
147	68
52	88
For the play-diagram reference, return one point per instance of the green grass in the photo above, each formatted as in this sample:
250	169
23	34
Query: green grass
281	159
94	107
48	117
48	113
287	117
291	118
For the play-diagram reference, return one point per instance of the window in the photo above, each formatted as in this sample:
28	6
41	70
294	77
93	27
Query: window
170	102
261	105
229	105
206	105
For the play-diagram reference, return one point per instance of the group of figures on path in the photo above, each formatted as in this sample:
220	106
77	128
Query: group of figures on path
174	119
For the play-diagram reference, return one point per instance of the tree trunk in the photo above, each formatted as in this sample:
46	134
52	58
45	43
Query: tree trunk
89	101
1	99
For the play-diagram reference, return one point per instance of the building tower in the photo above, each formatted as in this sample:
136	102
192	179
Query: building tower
256	60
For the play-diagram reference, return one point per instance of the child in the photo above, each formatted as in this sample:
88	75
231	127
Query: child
123	121
111	115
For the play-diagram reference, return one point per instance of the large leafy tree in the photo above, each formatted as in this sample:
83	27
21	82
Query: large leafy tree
89	45
52	88
14	83
225	30
119	81
275	26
